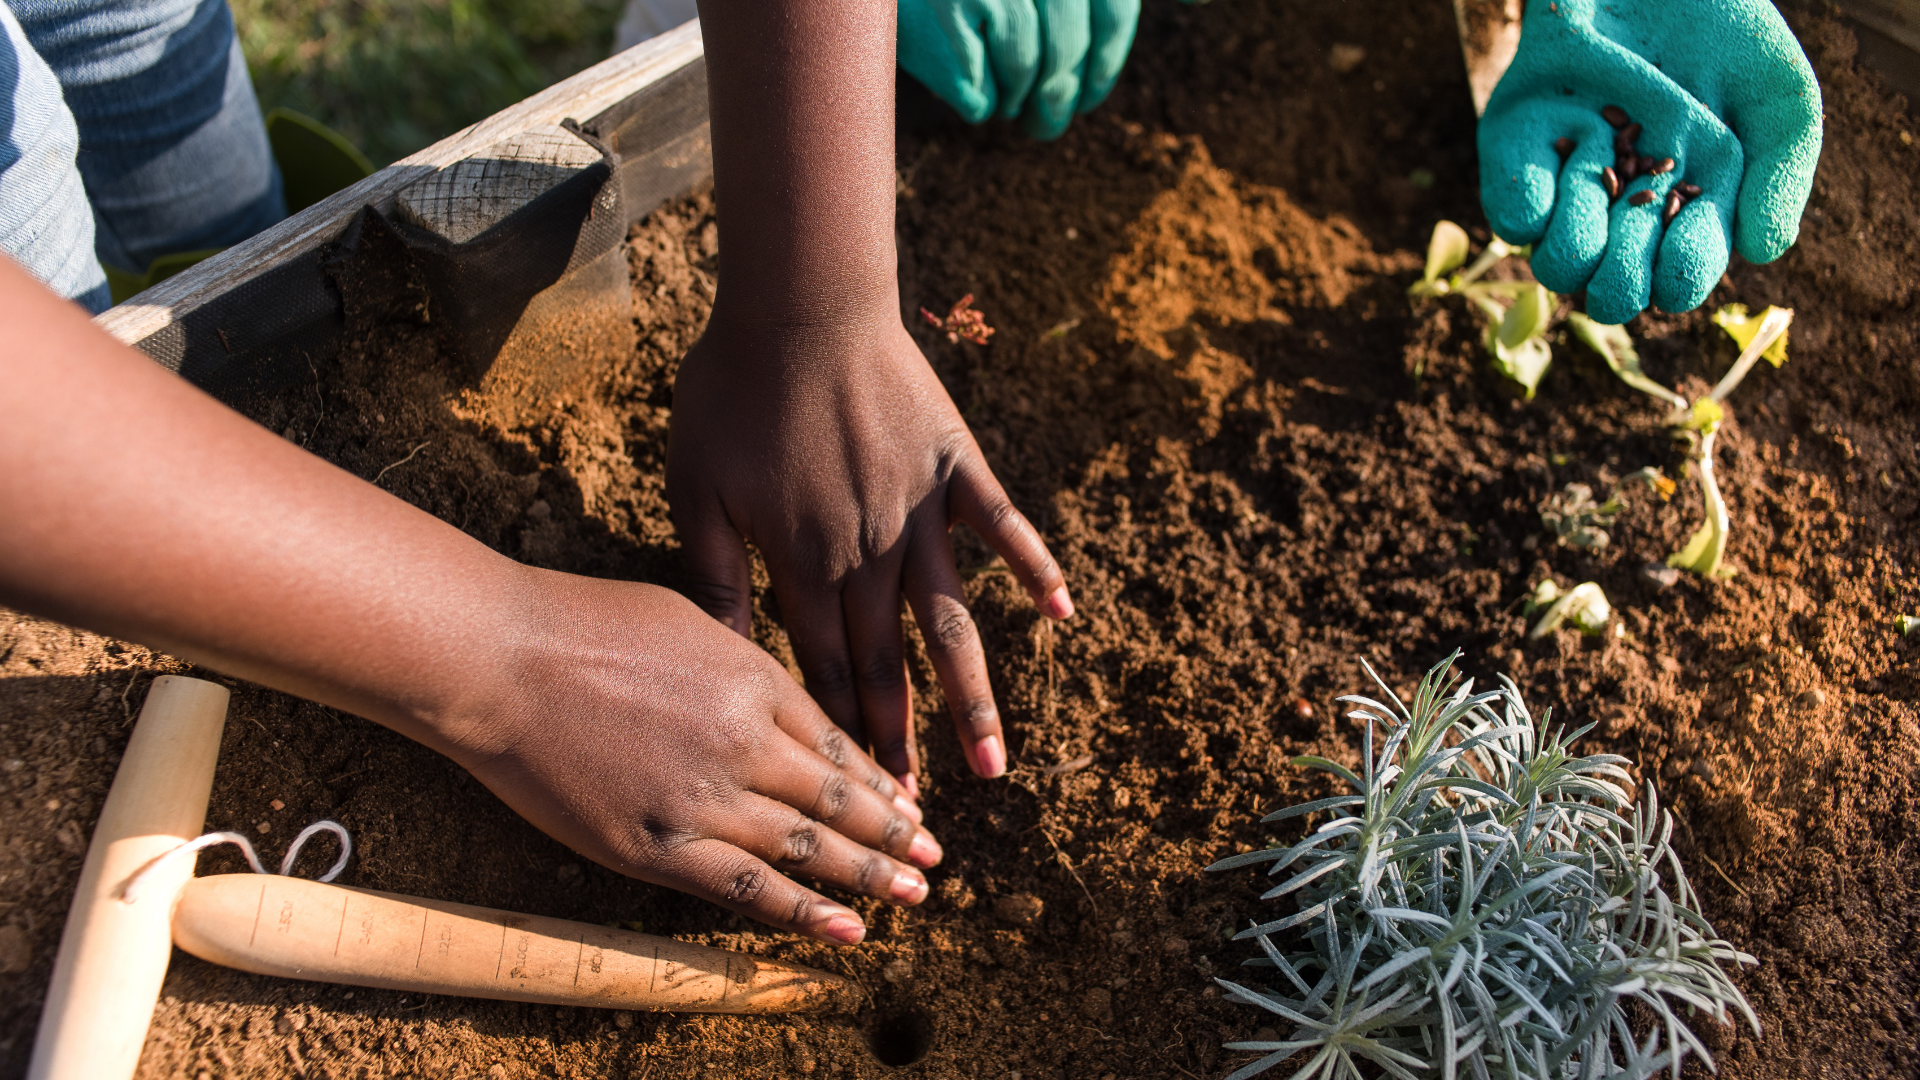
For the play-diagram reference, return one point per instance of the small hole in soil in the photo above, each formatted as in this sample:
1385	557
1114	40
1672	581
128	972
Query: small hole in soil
901	1038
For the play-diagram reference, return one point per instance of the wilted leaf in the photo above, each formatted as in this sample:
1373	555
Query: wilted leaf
1585	606
1741	327
1615	346
1704	551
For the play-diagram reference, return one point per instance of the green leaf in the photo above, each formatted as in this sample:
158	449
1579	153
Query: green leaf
1446	251
1615	346
1527	364
1528	317
1741	327
1314	761
1907	624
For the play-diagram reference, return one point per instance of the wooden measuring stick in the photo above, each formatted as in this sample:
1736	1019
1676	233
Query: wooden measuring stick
113	955
301	929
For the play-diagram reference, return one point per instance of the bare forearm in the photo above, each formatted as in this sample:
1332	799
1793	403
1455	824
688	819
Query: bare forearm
802	105
137	506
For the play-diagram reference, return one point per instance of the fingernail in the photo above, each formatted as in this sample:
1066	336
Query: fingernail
909	887
908	781
990	760
845	928
905	806
1057	605
925	850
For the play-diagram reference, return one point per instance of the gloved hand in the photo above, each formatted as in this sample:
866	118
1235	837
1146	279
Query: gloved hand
1042	60
1719	86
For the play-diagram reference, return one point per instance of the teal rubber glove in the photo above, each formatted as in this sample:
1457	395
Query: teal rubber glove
1719	86
1044	61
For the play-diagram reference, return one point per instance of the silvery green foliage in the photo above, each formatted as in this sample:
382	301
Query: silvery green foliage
1485	905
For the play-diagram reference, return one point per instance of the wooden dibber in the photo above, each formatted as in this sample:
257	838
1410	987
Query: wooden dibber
113	955
303	929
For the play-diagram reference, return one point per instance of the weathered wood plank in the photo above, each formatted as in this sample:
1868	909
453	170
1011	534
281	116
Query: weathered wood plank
581	97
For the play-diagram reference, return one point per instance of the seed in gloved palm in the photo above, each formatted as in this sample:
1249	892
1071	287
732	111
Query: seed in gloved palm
1692	191
1563	146
1615	115
1640	198
1611	181
1675	200
1664	165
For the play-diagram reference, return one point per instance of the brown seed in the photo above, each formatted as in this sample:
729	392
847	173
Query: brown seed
1631	133
1675	200
1563	146
1692	191
1643	165
1303	708
1611	181
1614	115
1640	198
1626	167
1664	165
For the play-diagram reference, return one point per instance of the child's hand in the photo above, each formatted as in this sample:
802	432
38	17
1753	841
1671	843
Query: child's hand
638	732
839	455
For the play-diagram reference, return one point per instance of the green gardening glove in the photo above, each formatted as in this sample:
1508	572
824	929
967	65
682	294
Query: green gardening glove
1720	87
1043	61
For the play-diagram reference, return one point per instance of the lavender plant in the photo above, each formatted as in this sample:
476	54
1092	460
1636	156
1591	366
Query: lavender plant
1485	903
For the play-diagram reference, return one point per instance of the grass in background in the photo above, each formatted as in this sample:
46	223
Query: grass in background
395	75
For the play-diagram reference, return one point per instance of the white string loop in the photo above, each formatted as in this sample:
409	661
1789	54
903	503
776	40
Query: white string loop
212	839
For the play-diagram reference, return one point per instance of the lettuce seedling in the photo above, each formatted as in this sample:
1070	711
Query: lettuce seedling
1584	605
1576	520
1483	903
1518	313
1698	421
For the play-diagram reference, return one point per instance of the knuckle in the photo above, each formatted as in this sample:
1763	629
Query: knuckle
896	834
831	677
885	670
800	912
746	884
876	874
892	748
716	598
836	792
979	717
655	840
803	843
833	746
736	738
1002	516
952	629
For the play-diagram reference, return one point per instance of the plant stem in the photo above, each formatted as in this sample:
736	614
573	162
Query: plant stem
1771	328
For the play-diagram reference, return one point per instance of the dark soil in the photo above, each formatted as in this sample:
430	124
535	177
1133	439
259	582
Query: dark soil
1259	465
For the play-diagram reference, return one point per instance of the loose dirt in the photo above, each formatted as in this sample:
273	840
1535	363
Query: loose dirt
1259	465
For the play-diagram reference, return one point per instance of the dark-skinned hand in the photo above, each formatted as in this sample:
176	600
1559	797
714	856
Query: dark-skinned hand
648	738
806	422
846	463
